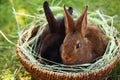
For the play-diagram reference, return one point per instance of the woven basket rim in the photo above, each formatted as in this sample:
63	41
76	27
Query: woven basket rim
38	69
43	74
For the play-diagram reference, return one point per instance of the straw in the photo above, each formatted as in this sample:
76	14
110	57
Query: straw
98	18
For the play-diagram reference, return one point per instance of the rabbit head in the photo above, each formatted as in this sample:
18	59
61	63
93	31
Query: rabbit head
76	48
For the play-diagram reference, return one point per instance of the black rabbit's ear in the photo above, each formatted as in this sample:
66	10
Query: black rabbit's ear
70	10
69	23
49	16
81	24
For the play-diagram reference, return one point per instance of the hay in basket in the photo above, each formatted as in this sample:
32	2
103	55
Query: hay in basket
93	71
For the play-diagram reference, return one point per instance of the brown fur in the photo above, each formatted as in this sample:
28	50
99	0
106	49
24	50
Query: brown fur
97	38
83	42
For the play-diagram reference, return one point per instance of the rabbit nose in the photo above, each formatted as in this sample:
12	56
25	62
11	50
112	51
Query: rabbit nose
68	58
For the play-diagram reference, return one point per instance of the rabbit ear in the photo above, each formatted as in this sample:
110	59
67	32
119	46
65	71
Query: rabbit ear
82	22
50	17
69	23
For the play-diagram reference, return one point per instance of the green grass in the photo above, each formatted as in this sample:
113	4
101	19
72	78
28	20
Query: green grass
9	62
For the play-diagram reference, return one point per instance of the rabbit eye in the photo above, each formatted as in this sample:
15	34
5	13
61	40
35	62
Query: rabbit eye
77	45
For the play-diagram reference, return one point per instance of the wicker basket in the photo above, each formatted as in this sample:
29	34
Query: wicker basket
42	74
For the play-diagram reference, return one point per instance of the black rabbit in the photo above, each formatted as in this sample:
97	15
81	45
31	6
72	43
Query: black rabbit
52	37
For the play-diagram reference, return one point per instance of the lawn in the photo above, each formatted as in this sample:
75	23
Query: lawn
10	67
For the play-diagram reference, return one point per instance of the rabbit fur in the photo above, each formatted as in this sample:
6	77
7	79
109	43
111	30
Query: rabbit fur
52	37
83	42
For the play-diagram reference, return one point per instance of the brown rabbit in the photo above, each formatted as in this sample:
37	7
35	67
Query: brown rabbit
83	42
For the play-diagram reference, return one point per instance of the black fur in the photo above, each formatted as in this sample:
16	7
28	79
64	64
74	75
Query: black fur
53	36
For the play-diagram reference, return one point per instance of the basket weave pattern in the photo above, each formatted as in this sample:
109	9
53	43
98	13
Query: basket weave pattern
40	74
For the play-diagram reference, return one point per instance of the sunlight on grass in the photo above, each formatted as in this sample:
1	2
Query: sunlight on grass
11	1
20	18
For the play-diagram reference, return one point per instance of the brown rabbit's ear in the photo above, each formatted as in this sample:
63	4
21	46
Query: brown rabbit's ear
49	16
69	23
82	22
